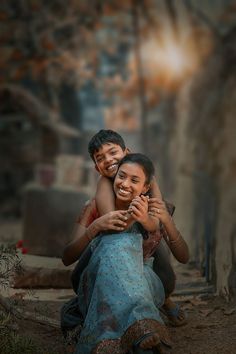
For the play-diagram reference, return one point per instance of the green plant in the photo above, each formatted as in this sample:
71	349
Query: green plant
10	264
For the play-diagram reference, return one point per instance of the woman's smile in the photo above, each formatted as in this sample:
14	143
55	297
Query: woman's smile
123	192
129	182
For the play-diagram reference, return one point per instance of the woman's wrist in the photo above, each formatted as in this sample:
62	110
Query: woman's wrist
173	236
176	239
91	231
150	224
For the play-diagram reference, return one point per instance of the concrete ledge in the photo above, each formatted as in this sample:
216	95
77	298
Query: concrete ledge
43	272
49	215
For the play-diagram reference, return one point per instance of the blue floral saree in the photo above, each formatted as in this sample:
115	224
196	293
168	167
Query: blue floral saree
117	298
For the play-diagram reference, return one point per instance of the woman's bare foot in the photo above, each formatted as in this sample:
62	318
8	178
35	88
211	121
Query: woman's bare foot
150	341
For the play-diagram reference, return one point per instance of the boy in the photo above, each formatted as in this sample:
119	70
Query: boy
107	148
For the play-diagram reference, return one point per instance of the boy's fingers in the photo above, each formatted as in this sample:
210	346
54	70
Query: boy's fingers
156	211
151	200
153	214
155	200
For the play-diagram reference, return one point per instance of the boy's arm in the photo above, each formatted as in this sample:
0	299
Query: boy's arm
105	199
154	189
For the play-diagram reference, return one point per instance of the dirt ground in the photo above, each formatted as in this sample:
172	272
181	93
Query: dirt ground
211	327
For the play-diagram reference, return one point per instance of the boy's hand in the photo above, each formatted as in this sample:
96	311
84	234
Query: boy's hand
138	209
157	209
114	220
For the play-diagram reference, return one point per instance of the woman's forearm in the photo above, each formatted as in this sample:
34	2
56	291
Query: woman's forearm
176	243
81	238
114	220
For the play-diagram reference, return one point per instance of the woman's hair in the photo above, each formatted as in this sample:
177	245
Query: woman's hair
141	160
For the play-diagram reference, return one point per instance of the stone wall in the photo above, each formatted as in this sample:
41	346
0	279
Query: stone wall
206	165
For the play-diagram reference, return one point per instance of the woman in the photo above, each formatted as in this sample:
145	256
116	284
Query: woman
119	295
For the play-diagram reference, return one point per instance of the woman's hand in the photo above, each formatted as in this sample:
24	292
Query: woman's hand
114	220
157	208
138	209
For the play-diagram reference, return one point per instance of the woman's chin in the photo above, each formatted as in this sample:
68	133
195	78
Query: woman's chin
126	198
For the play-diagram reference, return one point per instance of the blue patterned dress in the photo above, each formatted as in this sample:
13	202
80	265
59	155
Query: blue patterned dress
117	298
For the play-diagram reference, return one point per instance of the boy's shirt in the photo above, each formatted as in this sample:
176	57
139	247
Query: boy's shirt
90	213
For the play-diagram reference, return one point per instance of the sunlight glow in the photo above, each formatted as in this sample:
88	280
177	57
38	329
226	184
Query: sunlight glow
167	60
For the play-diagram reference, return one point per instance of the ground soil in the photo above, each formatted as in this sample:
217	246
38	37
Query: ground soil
211	327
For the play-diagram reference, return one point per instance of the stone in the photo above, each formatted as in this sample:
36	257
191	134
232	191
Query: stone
48	218
42	272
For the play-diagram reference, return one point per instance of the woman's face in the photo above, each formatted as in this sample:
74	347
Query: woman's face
130	181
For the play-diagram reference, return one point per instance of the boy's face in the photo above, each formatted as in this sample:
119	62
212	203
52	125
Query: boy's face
107	159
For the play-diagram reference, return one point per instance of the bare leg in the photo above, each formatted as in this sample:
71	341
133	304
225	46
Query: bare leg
162	267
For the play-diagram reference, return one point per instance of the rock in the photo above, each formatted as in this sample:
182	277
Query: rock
43	272
49	216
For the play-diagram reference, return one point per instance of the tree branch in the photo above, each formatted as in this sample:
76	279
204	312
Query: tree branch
193	10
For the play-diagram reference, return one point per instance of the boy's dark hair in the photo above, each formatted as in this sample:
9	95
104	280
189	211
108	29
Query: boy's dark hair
104	137
143	161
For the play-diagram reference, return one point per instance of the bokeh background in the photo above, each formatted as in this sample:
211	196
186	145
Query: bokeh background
160	72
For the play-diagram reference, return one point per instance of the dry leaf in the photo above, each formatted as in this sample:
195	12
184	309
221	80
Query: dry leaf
197	301
187	306
206	312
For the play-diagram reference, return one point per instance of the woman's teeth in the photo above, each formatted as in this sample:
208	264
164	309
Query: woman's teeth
122	191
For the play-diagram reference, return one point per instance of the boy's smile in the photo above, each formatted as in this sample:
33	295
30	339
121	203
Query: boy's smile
107	159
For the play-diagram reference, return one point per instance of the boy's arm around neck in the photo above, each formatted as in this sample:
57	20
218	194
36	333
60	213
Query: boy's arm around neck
154	189
104	197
